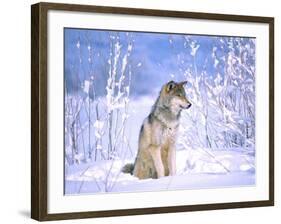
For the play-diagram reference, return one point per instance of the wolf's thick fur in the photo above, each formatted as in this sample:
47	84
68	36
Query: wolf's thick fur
156	155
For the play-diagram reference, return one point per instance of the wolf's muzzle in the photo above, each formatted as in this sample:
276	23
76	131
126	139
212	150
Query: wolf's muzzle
186	107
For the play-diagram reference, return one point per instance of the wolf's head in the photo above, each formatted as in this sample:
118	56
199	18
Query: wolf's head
174	96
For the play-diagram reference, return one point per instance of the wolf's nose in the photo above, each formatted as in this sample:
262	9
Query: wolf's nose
188	106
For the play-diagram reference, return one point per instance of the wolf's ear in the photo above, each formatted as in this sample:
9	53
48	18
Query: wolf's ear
170	85
183	83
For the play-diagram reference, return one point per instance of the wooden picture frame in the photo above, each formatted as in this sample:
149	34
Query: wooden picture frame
39	109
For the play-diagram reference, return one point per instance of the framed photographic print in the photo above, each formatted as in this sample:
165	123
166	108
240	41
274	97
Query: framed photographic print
139	111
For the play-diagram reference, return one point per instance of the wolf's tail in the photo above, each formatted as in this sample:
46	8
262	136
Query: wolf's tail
128	168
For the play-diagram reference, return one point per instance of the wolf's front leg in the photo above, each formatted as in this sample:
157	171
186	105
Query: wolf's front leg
155	152
172	160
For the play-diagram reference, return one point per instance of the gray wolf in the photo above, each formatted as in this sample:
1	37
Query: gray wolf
156	156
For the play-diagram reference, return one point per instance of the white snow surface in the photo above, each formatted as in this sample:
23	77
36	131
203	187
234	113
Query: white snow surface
195	169
216	139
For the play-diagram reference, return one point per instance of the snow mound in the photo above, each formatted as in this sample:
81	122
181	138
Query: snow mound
195	169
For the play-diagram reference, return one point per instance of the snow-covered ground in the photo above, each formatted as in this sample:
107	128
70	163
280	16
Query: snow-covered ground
110	89
196	169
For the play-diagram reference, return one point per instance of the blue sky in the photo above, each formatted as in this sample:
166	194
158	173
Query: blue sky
163	57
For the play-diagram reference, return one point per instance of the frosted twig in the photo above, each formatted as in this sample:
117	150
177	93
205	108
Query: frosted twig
82	174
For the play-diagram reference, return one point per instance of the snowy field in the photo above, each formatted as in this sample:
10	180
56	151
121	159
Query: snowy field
112	79
195	170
